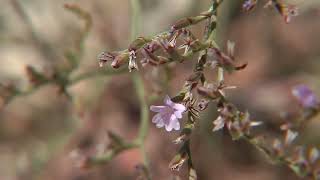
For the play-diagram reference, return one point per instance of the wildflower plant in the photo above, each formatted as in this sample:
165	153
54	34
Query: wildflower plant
182	111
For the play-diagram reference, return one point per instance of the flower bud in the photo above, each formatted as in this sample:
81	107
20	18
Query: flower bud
138	43
119	60
104	57
203	104
171	51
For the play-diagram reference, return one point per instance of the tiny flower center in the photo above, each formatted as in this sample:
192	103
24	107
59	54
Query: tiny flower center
166	114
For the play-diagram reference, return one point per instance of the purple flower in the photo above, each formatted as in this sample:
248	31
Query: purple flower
248	5
168	114
305	96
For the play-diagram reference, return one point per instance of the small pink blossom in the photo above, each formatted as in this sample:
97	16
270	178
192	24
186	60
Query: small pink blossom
168	114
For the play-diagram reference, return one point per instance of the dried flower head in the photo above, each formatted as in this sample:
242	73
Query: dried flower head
149	57
225	60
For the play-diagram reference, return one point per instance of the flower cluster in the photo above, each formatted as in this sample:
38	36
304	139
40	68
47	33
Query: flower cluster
182	112
148	49
179	45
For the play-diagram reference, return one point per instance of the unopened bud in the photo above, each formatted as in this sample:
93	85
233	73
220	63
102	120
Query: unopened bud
120	60
104	57
203	104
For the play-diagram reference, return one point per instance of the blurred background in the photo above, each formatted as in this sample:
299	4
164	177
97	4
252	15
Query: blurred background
39	132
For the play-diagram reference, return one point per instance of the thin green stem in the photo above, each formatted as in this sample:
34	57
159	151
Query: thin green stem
107	157
74	56
139	85
144	124
71	82
44	47
220	77
95	73
213	38
135	18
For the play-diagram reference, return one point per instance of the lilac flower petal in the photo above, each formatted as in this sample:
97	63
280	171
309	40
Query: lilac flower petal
175	124
156	118
172	123
168	128
166	117
301	91
160	124
310	101
179	107
178	114
167	101
173	118
157	108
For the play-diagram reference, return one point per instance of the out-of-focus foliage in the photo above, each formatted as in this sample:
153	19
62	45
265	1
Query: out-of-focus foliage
43	133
